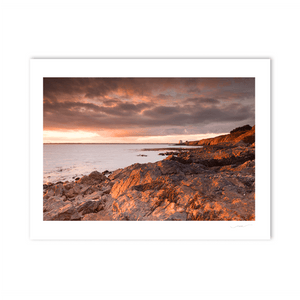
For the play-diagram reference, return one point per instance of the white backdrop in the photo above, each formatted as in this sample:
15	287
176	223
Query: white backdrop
148	270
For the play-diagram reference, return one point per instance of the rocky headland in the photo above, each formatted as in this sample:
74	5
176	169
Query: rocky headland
215	182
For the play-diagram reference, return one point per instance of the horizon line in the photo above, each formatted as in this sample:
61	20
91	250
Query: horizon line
110	143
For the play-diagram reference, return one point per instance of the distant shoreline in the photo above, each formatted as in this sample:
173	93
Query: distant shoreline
110	144
215	182
174	149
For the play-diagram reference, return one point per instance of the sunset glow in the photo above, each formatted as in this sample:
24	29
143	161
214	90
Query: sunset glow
144	110
90	137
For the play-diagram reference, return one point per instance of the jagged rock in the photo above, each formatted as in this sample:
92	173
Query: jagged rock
62	213
68	185
94	177
52	203
90	206
106	172
247	136
216	182
49	193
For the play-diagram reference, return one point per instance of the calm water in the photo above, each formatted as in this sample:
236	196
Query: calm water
66	161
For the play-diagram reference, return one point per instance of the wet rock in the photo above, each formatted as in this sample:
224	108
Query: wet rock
106	172
47	186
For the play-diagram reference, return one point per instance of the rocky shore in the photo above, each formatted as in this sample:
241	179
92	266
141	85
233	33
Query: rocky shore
215	182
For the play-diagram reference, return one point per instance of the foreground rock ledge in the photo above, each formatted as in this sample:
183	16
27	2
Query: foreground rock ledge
216	182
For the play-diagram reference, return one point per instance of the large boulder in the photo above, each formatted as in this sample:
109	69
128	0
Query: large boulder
94	178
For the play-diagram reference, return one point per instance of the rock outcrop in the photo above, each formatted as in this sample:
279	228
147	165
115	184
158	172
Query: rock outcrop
245	134
216	182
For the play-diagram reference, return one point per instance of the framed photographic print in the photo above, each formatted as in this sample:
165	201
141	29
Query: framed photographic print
145	149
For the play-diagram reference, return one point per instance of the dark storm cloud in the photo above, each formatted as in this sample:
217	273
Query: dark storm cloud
200	100
161	111
86	109
124	109
99	87
93	116
148	105
70	87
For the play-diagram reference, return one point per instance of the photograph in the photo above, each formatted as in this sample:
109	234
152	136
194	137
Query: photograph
174	113
148	149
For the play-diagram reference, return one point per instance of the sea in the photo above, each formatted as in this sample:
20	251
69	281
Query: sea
65	162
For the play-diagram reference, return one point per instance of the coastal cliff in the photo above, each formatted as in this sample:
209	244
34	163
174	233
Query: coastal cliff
215	182
245	134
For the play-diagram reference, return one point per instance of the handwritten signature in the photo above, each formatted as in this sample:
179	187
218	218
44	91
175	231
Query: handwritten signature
236	226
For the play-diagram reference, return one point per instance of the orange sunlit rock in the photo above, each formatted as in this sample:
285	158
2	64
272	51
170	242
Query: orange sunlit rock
213	183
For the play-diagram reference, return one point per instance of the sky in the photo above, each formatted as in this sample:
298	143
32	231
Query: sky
145	110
